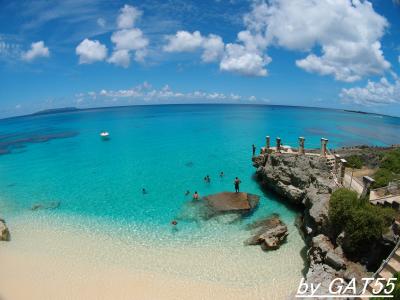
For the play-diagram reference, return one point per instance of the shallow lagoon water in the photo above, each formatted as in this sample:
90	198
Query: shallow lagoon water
166	150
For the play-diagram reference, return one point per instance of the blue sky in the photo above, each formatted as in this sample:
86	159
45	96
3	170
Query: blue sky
326	53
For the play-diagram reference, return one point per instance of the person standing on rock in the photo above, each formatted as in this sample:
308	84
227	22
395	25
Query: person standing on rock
237	183
254	149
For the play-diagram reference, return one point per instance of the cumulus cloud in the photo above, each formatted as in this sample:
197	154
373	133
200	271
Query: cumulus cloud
37	49
341	38
147	94
128	16
120	58
91	51
239	59
128	39
184	41
381	92
347	33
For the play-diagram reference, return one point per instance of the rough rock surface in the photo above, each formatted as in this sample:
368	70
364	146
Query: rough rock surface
307	181
230	202
4	232
269	233
301	180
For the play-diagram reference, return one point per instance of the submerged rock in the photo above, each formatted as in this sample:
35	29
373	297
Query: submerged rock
270	233
4	232
46	205
230	202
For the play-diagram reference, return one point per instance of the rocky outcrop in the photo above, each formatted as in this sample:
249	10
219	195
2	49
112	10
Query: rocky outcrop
229	202
307	181
328	262
302	180
4	232
269	233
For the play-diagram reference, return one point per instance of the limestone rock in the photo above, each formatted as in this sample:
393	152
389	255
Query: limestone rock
4	232
334	260
270	233
230	202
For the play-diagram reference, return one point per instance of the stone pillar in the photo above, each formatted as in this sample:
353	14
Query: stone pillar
343	164
267	143
324	142
301	145
278	144
337	163
367	181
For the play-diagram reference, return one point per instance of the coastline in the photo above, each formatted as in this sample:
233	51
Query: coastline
51	256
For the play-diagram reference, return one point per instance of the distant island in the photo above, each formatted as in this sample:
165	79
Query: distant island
55	111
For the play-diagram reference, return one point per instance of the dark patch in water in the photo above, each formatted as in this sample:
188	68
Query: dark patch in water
9	143
189	164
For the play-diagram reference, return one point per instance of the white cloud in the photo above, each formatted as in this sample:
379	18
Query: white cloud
147	94
128	39
346	31
239	59
213	48
381	92
101	22
120	58
341	38
90	51
128	16
37	49
183	41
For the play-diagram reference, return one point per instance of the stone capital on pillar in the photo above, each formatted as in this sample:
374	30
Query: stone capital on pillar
367	182
337	162
324	143
301	145
267	142
343	164
278	144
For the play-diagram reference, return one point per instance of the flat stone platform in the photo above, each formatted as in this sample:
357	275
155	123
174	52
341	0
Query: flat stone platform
230	202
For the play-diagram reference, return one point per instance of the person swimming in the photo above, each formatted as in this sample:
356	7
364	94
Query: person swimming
221	174
187	192
174	222
254	149
144	192
195	196
208	179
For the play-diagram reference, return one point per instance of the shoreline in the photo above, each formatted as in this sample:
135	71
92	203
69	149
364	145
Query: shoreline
70	260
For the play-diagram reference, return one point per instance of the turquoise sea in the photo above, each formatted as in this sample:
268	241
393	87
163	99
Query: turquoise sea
166	149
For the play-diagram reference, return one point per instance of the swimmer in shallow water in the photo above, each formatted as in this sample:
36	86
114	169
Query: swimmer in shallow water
144	192
187	192
221	174
195	196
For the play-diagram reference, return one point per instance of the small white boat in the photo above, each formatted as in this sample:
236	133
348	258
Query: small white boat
105	135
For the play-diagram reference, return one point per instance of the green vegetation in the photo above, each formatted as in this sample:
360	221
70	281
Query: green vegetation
362	223
389	169
355	161
396	291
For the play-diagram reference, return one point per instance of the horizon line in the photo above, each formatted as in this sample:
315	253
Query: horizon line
75	109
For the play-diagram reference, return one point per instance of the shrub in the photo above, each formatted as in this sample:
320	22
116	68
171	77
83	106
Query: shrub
362	223
355	161
382	178
391	161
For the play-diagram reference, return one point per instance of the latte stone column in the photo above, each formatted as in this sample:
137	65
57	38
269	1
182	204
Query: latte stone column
324	142
267	143
367	181
301	145
278	144
343	164
337	163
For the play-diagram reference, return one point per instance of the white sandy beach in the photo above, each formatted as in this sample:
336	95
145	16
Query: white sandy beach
48	259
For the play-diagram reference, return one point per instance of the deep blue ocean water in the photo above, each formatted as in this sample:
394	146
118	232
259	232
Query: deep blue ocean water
164	149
